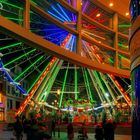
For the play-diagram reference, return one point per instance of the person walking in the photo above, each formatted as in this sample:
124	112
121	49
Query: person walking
99	132
70	131
18	129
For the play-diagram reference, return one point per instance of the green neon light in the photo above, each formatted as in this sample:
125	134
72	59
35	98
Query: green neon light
10	18
93	78
37	79
107	85
44	86
76	84
85	82
27	69
8	63
10	46
101	87
10	4
51	80
124	25
122	56
63	87
110	60
122	45
88	85
34	2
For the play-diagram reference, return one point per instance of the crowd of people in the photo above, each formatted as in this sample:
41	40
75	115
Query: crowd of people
34	128
37	128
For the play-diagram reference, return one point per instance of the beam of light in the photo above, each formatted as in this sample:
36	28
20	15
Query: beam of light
43	97
1	6
68	43
56	16
88	85
24	104
52	79
55	33
75	83
127	99
34	68
69	1
121	90
10	62
108	87
7	38
60	14
21	74
37	79
101	86
10	46
9	78
45	84
56	38
95	85
85	6
124	25
122	45
122	56
12	5
16	19
63	86
86	32
72	44
14	51
63	12
22	62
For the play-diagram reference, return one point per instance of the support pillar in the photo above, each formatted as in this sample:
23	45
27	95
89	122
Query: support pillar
115	27
26	23
134	44
79	26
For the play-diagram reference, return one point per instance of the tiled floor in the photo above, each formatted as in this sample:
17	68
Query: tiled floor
6	135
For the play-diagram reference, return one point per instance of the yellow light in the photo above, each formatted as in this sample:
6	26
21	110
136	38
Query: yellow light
127	14
58	91
98	15
111	4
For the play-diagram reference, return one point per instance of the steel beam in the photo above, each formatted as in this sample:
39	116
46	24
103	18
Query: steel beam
18	32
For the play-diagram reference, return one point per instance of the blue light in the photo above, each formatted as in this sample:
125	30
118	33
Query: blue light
9	78
56	16
63	12
59	13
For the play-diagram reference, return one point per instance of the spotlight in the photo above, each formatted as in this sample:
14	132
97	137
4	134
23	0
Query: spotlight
111	4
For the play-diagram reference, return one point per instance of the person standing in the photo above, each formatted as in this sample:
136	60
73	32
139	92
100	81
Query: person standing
109	129
18	129
99	132
70	131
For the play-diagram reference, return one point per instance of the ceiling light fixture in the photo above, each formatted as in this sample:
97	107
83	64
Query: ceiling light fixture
127	14
98	15
111	4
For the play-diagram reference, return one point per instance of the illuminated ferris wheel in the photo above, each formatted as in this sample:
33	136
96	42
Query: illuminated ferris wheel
47	74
